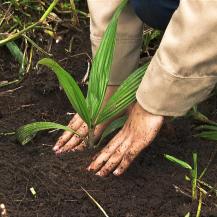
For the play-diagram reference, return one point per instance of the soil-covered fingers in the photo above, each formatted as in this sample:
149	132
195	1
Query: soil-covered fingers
74	124
75	140
135	148
129	157
80	147
115	158
105	154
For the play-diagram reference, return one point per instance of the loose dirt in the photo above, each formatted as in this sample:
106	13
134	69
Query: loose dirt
146	190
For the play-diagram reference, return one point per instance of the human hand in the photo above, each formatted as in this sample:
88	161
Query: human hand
71	142
138	132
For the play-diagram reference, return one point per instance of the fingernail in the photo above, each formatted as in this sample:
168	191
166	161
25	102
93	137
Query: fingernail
59	151
116	172
55	148
98	174
89	168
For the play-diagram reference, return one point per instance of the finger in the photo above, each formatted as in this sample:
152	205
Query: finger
128	158
75	117
74	124
134	150
107	152
80	147
115	159
98	131
75	139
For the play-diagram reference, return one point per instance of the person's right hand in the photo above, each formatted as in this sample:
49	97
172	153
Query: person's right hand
138	132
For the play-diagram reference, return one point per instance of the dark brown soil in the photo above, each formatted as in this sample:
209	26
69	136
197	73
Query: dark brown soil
145	190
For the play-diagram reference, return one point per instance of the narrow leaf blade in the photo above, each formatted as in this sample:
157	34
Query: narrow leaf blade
209	135
70	87
16	52
178	161
207	127
99	75
27	132
124	96
95	202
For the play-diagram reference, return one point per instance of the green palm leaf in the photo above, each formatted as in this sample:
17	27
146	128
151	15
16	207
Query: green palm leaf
124	96
99	75
25	133
70	87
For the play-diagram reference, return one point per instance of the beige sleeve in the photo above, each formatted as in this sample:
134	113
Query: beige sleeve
183	72
129	36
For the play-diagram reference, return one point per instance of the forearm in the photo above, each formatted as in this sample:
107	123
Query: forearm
183	71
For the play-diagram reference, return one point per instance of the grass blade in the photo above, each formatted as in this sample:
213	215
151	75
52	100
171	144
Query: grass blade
177	161
16	52
27	132
19	56
188	214
124	96
70	87
97	204
101	66
36	46
207	127
208	164
198	116
209	135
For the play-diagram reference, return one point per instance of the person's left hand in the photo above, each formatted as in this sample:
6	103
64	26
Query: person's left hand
138	132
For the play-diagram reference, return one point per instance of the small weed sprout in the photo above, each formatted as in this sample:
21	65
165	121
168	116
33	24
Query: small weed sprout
191	169
200	189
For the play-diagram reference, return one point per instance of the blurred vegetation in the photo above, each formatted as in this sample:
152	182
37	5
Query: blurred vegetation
33	22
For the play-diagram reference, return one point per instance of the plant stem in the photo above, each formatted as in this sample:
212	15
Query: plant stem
199	204
194	177
91	137
42	19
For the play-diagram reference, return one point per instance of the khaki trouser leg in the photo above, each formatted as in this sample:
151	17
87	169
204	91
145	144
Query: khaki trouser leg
129	36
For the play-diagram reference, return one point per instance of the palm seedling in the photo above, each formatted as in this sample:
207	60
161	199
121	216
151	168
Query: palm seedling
90	109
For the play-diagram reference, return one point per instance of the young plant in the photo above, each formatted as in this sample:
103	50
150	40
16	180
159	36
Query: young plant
90	109
192	170
199	187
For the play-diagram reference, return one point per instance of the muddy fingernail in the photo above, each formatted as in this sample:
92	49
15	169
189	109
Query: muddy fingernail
99	174
55	148
116	172
59	151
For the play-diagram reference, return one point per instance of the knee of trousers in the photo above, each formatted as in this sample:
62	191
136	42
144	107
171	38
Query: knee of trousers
101	12
155	13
